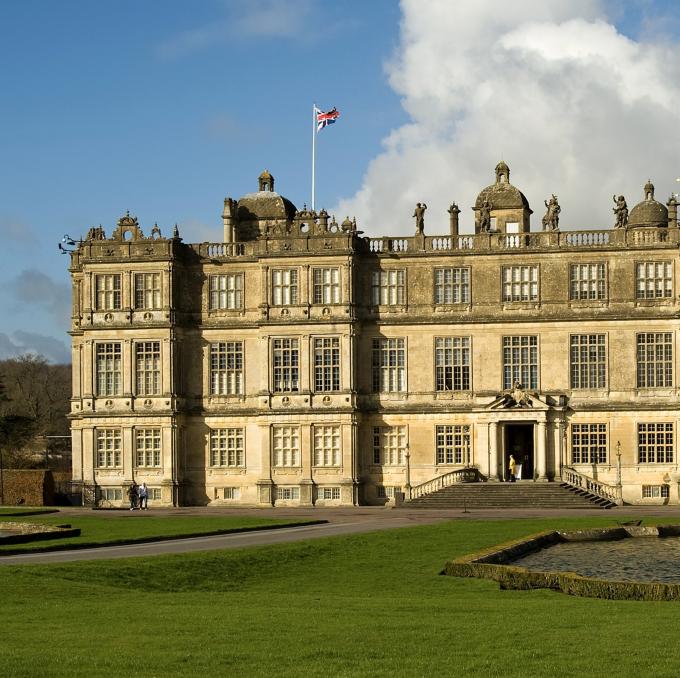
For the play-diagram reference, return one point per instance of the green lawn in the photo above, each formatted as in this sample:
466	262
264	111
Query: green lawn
367	605
97	530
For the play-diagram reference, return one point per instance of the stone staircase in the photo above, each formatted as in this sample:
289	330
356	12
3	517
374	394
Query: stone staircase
522	494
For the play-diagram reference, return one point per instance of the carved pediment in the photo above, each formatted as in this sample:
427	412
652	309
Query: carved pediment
519	398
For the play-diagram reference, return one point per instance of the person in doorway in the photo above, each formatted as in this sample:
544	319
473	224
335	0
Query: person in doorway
512	467
133	495
143	497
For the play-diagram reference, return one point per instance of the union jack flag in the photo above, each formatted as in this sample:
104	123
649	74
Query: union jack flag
323	119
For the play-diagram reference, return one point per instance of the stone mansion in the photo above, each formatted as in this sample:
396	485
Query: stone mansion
299	362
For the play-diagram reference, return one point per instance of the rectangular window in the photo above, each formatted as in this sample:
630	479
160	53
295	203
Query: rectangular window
452	285
288	493
226	291
452	363
110	494
520	361
655	491
388	288
389	365
286	363
387	491
108	296
226	447
226	368
155	494
389	445
326	285
330	493
285	287
231	492
589	444
148	447
520	283
147	290
654	360
453	444
109	450
655	443
654	280
588	282
588	361
148	367
327	446
286	446
109	369
326	364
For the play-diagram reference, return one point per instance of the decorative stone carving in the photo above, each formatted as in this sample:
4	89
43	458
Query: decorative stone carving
419	215
551	219
620	211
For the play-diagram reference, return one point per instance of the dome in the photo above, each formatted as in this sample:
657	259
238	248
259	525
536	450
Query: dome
502	194
649	212
264	205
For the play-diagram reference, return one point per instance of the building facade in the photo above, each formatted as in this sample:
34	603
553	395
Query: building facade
300	362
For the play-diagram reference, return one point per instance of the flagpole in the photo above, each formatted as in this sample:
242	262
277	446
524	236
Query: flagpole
313	150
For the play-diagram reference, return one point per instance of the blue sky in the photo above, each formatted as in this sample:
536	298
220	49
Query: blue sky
165	107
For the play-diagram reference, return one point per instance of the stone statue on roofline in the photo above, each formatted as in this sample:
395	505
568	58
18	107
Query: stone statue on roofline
485	216
620	211
419	215
551	219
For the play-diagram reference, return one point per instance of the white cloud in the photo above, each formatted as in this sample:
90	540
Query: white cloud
573	106
21	343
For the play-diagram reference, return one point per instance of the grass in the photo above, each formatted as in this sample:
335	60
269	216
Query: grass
98	530
364	605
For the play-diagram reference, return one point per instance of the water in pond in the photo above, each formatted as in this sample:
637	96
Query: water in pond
643	559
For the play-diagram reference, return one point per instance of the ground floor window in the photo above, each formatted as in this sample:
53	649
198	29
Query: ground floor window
589	443
330	493
655	443
389	445
287	492
453	444
111	494
655	491
155	494
231	493
387	491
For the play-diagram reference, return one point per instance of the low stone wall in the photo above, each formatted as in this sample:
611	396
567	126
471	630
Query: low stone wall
493	563
25	532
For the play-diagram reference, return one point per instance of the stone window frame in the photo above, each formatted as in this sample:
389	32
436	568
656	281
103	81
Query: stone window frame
327	445
512	298
226	291
287	493
327	371
226	373
333	491
652	372
285	284
108	291
388	287
148	382
654	286
285	365
147	297
390	444
589	443
655	491
389	365
227	447
519	375
148	454
387	491
583	286
452	444
458	363
326	292
108	368
459	291
108	448
285	447
580	371
655	442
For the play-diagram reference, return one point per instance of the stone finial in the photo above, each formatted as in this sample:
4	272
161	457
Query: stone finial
453	219
265	181
175	232
649	190
502	173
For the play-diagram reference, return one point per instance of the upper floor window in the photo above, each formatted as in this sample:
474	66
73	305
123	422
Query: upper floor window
655	443
286	364
226	447
147	290
388	287
327	446
109	448
226	291
452	363
453	444
588	443
452	285
389	365
520	283
588	282
285	287
654	360
654	280
226	368
588	361
148	367
326	285
389	445
108	367
286	446
520	361
108	295
148	447
326	364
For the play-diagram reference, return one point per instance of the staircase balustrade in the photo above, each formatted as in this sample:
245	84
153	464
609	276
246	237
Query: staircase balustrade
461	475
581	481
